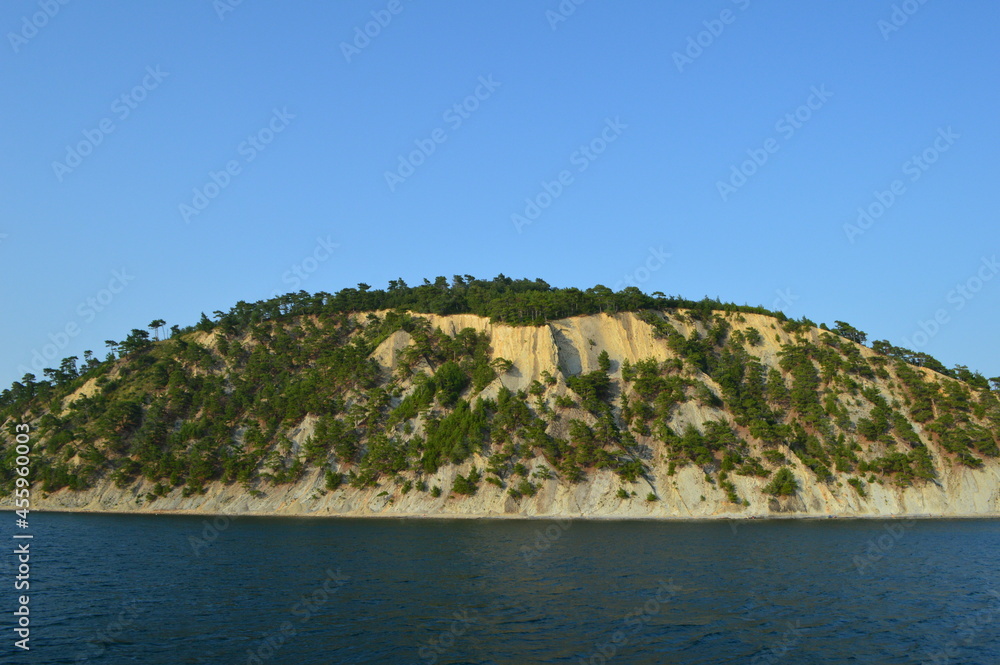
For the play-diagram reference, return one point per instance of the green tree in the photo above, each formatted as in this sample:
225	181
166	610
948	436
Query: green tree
155	325
783	483
451	381
604	361
204	323
847	331
138	340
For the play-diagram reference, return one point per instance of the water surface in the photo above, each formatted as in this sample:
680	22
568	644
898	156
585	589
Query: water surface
175	589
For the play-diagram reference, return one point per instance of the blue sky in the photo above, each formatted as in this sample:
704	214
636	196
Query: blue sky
161	159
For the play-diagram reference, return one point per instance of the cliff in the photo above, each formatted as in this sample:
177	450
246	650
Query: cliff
654	414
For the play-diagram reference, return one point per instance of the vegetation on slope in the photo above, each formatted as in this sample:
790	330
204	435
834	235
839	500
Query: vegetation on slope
221	401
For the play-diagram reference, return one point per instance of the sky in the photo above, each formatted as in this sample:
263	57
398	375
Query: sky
167	158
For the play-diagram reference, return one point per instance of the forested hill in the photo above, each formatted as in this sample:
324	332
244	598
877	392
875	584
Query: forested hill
496	390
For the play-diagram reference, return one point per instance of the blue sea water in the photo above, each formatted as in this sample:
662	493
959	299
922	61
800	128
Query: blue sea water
181	589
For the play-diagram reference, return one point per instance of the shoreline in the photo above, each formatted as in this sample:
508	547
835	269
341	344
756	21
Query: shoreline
528	518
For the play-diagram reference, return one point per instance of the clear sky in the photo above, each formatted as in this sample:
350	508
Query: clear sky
715	148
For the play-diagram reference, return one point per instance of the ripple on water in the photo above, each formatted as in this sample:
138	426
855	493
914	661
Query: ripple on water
774	591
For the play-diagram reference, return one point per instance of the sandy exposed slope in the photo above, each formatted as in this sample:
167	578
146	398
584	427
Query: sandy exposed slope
571	346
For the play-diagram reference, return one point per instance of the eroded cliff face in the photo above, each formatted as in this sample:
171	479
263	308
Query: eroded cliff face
959	493
545	356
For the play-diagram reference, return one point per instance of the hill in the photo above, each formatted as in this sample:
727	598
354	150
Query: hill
507	397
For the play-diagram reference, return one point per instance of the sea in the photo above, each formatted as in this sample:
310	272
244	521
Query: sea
152	589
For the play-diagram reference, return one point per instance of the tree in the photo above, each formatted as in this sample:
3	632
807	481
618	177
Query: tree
205	324
68	368
883	346
975	379
592	388
604	361
155	326
451	381
138	340
783	483
501	365
847	331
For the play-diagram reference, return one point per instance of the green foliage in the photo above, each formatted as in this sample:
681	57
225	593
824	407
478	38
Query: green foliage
858	486
630	470
880	422
467	484
565	402
334	434
451	381
187	411
701	448
524	487
385	456
454	437
416	402
783	483
730	490
848	331
804	394
962	438
808	448
333	480
894	464
753	467
775	457
542	473
593	389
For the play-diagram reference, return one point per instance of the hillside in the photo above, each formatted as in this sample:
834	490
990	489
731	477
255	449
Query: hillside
510	401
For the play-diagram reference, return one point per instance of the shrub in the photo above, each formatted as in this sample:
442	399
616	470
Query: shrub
631	470
783	483
857	485
467	485
593	388
542	472
524	488
565	402
333	480
730	489
774	457
451	381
